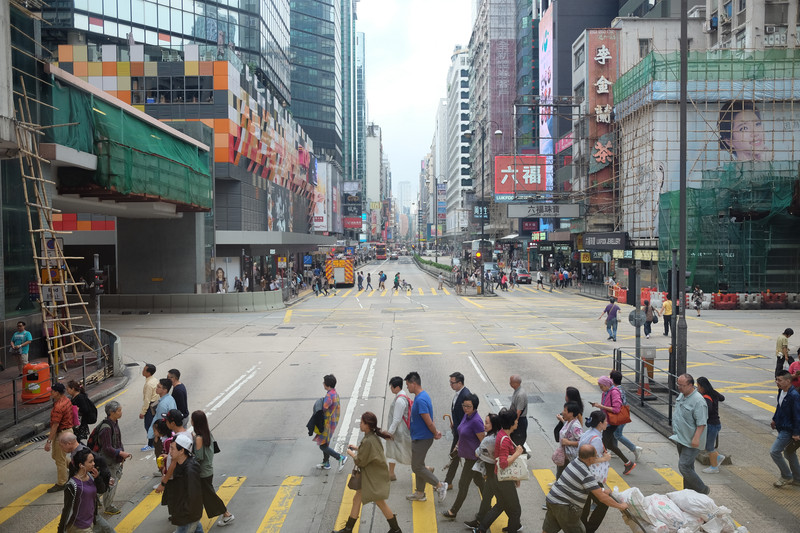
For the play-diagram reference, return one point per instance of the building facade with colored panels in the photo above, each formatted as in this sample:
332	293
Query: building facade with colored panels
264	166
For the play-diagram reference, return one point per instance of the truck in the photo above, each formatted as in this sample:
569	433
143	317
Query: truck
341	269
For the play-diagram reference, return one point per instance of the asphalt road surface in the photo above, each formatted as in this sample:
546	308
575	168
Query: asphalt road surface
257	377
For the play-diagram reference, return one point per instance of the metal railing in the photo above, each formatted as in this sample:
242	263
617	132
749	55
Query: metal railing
96	365
593	288
651	384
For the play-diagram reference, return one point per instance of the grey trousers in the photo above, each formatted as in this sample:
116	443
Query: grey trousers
419	449
116	472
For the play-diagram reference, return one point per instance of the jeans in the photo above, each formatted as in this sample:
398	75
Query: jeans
467	475
667	323
781	445
648	328
148	421
611	328
488	492
592	520
623	439
327	452
419	449
194	527
691	480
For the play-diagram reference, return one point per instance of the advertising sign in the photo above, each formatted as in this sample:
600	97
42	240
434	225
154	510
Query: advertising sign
529	225
544	211
351	222
320	199
546	120
480	211
605	241
516	176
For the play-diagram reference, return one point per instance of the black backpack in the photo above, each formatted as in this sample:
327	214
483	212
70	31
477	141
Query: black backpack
91	415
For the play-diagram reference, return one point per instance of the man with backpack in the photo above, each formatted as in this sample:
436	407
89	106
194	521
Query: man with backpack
106	440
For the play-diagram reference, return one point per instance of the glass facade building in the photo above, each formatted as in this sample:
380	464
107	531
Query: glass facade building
256	31
316	36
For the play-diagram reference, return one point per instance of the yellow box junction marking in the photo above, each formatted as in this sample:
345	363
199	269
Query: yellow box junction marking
572	366
345	295
476	304
52	526
759	403
615	480
672	477
344	508
17	505
446	291
135	518
424	518
279	508
225	492
433	291
287	317
544	476
371	293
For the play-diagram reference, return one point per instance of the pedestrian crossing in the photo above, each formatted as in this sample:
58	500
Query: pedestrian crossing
425	516
378	293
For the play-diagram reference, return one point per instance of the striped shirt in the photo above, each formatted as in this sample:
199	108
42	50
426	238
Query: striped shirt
574	485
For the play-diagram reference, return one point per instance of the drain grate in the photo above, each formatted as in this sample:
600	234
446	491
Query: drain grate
267	334
285	327
8	455
38	438
131	364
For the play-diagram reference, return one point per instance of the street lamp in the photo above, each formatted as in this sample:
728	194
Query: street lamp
482	124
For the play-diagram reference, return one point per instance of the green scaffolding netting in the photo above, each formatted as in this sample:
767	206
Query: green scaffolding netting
741	235
134	156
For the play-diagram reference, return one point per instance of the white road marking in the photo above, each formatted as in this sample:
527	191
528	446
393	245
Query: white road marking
233	389
221	394
351	407
478	370
368	383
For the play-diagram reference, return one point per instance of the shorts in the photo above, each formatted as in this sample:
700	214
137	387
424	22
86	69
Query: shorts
712	430
565	518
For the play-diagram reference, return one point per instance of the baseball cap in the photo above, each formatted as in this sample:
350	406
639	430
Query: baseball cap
184	441
175	416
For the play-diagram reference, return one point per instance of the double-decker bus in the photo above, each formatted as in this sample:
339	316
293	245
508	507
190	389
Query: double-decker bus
380	251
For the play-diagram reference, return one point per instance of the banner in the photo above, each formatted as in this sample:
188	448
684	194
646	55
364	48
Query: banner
519	176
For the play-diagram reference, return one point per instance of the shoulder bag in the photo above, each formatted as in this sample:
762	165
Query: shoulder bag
618	419
559	457
516	471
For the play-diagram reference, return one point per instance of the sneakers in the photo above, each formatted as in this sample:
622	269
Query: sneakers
59	488
472	524
112	510
342	461
225	520
324	466
780	483
442	491
647	336
637	453
711	470
147	449
628	467
416	497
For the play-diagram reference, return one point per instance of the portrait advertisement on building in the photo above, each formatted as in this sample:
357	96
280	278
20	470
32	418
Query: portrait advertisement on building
351	193
546	119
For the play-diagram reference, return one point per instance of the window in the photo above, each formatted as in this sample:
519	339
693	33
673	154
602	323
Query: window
742	5
579	56
644	48
740	39
579	91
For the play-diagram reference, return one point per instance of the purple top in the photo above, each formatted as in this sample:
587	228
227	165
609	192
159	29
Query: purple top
468	431
84	518
612	310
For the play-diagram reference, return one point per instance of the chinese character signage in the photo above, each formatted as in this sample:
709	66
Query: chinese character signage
602	74
519	176
543	210
480	211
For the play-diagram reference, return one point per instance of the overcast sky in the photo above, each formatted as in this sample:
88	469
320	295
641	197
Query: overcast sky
408	47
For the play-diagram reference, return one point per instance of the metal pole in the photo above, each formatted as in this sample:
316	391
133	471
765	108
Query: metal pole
97	304
671	385
638	361
680	356
436	218
484	211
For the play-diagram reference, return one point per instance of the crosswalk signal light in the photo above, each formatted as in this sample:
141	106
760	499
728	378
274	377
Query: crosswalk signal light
98	285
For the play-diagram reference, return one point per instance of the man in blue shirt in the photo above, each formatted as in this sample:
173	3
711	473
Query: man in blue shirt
164	406
20	344
689	420
787	421
423	432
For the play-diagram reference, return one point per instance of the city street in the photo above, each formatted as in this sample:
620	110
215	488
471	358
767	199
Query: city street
258	375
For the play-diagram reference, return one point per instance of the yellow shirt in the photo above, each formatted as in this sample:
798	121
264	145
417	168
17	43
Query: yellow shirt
667	307
783	342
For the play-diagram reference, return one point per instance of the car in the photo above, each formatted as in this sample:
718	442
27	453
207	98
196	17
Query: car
393	257
523	276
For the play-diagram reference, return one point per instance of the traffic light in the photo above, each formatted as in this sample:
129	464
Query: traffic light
478	258
98	284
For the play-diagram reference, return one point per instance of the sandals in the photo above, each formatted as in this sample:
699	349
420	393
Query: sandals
450	515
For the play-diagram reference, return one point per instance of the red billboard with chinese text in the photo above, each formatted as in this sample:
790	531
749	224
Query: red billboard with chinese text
519	176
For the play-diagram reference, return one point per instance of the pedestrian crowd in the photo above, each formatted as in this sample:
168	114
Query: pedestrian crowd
88	473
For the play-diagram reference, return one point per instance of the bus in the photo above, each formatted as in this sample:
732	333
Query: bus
380	250
486	247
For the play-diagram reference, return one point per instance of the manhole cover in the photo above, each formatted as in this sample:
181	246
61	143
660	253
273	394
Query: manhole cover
741	355
131	364
285	327
267	334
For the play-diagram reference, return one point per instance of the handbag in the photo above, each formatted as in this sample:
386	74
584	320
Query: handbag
559	457
354	483
618	419
516	471
216	447
655	318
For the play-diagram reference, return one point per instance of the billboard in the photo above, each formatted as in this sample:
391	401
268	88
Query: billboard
351	190
321	199
518	176
546	120
352	222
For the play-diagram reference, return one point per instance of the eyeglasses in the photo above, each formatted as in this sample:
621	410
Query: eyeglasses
453	382
466	405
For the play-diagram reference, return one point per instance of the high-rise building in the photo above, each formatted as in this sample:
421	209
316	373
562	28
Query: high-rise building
457	153
360	114
373	172
349	92
316	43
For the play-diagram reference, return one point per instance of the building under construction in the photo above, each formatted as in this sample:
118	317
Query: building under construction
742	163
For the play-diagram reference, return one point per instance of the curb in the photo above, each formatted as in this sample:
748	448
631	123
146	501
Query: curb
28	429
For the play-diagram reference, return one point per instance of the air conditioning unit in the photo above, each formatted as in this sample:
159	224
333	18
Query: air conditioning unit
707	28
769	29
